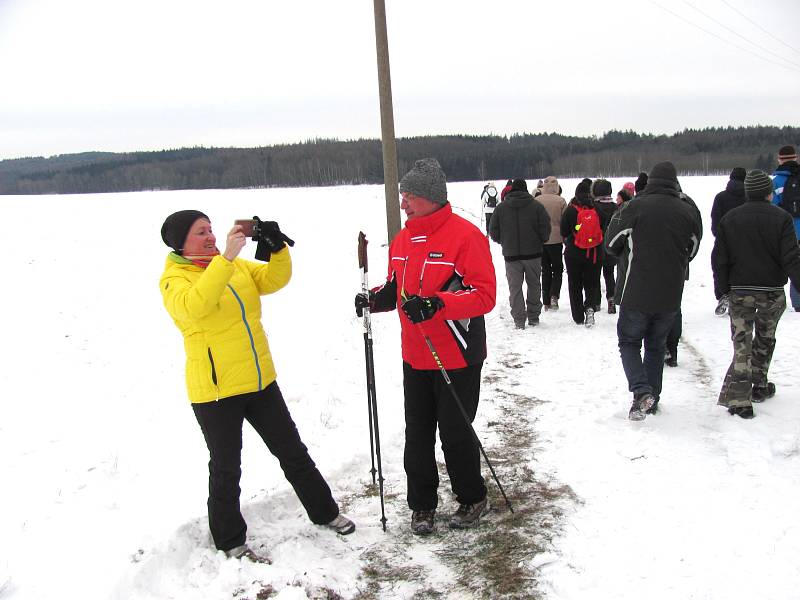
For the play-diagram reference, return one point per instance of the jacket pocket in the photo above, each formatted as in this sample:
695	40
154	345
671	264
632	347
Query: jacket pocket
213	369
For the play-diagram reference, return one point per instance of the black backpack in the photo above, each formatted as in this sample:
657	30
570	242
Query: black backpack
790	199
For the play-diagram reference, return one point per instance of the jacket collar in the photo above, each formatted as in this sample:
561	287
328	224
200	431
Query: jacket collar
429	223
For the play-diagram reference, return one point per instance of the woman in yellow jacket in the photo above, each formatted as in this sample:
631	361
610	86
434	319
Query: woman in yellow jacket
215	302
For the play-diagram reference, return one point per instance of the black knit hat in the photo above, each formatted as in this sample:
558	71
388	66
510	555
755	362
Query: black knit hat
176	227
641	182
665	171
583	188
601	187
757	184
427	180
519	185
738	173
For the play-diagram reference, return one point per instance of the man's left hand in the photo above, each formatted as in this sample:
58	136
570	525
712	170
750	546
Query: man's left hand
421	308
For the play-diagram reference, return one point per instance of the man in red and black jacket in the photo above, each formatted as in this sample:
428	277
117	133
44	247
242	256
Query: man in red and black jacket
442	276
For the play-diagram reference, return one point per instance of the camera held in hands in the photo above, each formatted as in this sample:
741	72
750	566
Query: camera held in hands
268	234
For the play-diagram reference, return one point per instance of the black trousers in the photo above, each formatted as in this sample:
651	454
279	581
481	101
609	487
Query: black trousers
552	271
609	265
583	277
429	403
674	335
221	423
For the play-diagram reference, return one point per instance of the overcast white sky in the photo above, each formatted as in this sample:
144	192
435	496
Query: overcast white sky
123	75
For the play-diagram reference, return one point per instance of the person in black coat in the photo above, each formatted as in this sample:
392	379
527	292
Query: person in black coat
729	198
754	253
583	267
521	226
662	232
606	206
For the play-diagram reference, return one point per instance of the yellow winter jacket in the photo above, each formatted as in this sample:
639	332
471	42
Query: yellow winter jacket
218	311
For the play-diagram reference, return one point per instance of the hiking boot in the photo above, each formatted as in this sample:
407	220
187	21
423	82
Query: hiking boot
341	525
244	551
762	392
520	325
422	522
722	306
640	405
468	515
746	412
589	320
670	360
653	409
533	322
546	307
612	308
553	303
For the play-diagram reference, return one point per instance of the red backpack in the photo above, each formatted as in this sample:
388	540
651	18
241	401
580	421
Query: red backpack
588	233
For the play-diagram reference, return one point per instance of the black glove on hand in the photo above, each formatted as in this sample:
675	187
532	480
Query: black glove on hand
364	301
418	308
270	233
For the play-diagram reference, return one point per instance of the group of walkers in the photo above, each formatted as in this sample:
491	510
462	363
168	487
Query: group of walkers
639	245
441	276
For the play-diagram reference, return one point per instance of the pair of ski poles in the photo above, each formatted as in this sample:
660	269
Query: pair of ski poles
375	450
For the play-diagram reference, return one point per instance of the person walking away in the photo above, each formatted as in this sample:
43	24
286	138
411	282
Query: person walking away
489	200
786	194
728	199
442	277
582	230
640	183
663	234
553	249
754	252
606	206
675	332
521	226
505	190
214	300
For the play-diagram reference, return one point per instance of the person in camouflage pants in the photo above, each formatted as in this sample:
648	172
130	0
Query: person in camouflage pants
754	255
751	353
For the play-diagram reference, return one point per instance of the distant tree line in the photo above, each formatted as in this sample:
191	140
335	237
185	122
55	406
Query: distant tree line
325	162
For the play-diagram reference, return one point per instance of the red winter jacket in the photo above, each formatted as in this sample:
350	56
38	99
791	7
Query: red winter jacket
441	255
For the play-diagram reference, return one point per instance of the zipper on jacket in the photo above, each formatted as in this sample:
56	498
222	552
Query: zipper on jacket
249	333
213	369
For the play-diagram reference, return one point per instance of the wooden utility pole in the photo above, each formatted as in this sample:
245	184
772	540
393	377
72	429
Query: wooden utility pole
387	122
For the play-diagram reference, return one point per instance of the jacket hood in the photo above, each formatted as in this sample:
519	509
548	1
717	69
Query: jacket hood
550	186
518	198
735	187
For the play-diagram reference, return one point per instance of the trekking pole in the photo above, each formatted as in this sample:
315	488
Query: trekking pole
372	405
461	408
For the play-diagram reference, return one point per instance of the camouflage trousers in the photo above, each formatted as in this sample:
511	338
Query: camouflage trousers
754	319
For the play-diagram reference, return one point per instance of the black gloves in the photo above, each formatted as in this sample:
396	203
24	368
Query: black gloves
418	308
364	301
273	237
270	239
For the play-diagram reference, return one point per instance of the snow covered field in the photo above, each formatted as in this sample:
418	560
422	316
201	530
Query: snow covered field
104	467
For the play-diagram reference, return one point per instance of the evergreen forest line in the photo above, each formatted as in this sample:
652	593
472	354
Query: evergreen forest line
325	162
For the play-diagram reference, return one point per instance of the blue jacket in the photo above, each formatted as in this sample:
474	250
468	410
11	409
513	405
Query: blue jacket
781	174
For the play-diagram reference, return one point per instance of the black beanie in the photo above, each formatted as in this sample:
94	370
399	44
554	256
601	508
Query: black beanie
601	188
641	182
738	173
582	190
757	184
519	185
176	227
664	171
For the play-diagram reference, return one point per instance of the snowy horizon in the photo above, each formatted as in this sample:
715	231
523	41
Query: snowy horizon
105	467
